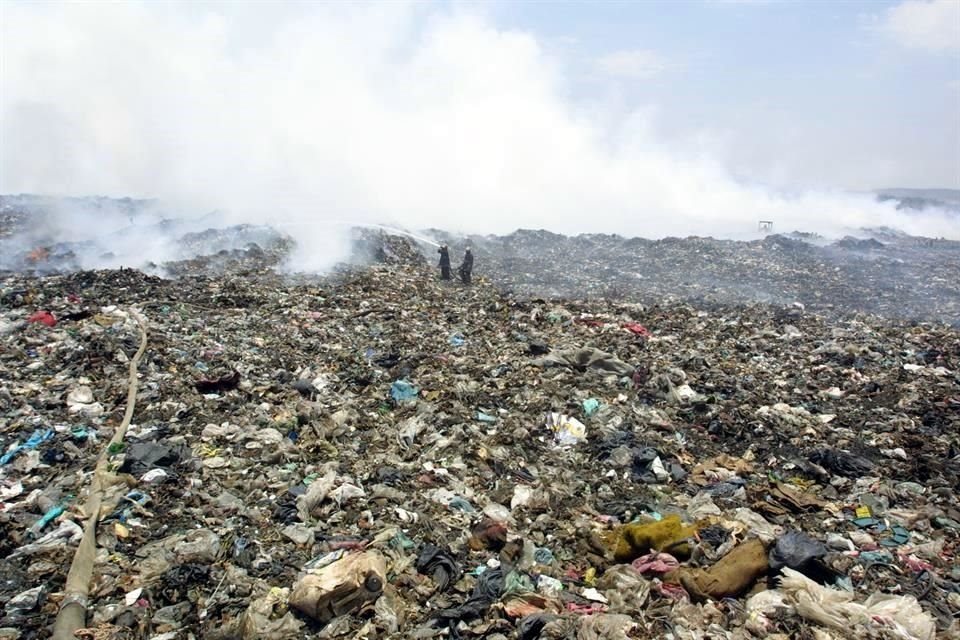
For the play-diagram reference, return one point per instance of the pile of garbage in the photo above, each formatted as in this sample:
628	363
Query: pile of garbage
882	272
383	455
879	271
57	235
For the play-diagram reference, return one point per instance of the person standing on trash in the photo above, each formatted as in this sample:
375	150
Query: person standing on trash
466	269
444	262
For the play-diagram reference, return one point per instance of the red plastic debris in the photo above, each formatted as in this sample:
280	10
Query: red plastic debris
43	316
637	328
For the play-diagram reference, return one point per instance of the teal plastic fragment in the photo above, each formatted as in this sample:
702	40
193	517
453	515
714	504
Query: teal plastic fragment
49	516
518	582
401	542
460	504
590	406
872	557
543	556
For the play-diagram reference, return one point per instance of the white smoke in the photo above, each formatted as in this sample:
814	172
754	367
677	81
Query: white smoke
309	114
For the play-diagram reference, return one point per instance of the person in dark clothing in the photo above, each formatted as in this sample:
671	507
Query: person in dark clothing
444	262
466	269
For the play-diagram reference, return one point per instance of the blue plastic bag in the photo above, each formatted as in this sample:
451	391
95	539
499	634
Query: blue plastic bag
35	441
403	390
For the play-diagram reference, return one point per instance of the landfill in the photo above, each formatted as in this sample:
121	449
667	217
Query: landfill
239	454
882	271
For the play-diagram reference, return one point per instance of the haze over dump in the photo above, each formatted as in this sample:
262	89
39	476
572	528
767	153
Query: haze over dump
419	115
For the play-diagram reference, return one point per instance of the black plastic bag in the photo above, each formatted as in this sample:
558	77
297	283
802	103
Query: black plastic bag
842	463
438	563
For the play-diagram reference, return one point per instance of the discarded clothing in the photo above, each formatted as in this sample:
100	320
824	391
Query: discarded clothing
731	576
669	535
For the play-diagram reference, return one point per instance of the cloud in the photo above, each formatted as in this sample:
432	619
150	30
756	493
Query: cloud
633	63
932	25
322	114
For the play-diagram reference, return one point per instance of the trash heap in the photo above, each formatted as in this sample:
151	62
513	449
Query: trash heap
883	272
387	456
878	270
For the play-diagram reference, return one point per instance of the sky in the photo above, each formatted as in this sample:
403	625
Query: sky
847	94
641	118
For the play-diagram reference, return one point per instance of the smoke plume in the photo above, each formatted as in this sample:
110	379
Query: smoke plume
309	115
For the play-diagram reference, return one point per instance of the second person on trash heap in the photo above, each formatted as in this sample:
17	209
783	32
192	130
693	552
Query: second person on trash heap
444	262
466	269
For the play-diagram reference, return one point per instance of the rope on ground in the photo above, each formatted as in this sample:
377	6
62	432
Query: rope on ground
73	608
